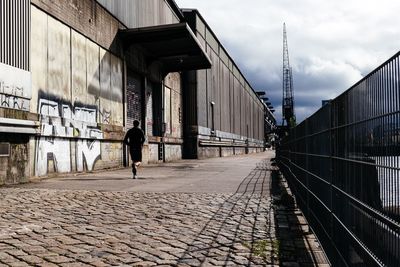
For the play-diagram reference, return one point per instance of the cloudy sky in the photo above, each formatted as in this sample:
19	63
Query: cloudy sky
332	44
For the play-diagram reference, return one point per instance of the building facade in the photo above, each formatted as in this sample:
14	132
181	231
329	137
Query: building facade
225	116
74	75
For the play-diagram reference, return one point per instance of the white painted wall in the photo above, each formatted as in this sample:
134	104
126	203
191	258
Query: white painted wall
15	88
77	87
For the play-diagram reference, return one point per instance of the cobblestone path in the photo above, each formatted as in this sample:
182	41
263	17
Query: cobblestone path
43	227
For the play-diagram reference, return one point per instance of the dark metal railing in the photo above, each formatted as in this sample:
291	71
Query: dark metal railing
343	164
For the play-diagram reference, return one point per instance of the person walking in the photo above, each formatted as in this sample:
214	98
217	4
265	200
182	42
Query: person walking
134	138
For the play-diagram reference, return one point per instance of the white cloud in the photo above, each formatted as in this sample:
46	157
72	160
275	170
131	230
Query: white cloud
332	44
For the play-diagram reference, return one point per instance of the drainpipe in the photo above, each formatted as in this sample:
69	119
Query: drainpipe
125	153
163	124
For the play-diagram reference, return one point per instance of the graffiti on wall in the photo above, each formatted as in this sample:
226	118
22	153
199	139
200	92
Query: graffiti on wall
105	116
15	102
69	134
15	88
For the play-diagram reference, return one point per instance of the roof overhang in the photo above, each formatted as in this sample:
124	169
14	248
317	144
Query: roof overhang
174	45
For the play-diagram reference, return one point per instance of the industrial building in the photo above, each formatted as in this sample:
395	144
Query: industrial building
75	74
225	116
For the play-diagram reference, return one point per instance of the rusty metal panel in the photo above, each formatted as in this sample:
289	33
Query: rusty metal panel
59	61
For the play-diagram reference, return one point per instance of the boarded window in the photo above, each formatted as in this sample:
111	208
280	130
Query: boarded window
4	149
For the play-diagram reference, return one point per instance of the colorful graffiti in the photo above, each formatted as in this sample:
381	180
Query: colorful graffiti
67	130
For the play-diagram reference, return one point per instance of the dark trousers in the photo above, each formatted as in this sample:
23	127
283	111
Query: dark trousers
136	156
134	169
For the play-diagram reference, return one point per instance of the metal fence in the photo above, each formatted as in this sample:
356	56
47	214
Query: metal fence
343	164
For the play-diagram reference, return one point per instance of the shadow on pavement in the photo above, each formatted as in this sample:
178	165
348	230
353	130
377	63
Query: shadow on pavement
238	233
95	179
297	245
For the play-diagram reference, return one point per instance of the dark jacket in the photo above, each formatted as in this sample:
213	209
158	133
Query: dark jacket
134	138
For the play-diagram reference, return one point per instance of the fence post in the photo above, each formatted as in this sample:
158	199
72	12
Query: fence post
306	139
331	174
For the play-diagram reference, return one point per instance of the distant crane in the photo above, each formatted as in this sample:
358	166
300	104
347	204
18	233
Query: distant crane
287	100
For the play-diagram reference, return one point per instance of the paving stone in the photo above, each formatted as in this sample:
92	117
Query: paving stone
58	259
15	252
18	264
49	227
33	260
75	264
6	258
144	264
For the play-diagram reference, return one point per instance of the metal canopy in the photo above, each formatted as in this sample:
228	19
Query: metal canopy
174	45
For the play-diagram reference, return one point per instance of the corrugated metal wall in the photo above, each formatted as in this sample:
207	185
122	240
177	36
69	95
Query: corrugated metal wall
15	19
237	109
141	13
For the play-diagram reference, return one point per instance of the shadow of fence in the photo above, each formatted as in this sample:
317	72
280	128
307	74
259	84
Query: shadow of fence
239	233
297	245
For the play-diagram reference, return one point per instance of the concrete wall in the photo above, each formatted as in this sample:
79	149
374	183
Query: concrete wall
87	17
173	105
78	91
173	117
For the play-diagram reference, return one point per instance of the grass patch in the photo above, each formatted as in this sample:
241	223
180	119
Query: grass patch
264	248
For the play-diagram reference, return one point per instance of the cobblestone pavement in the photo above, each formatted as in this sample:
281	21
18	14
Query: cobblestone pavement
47	227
